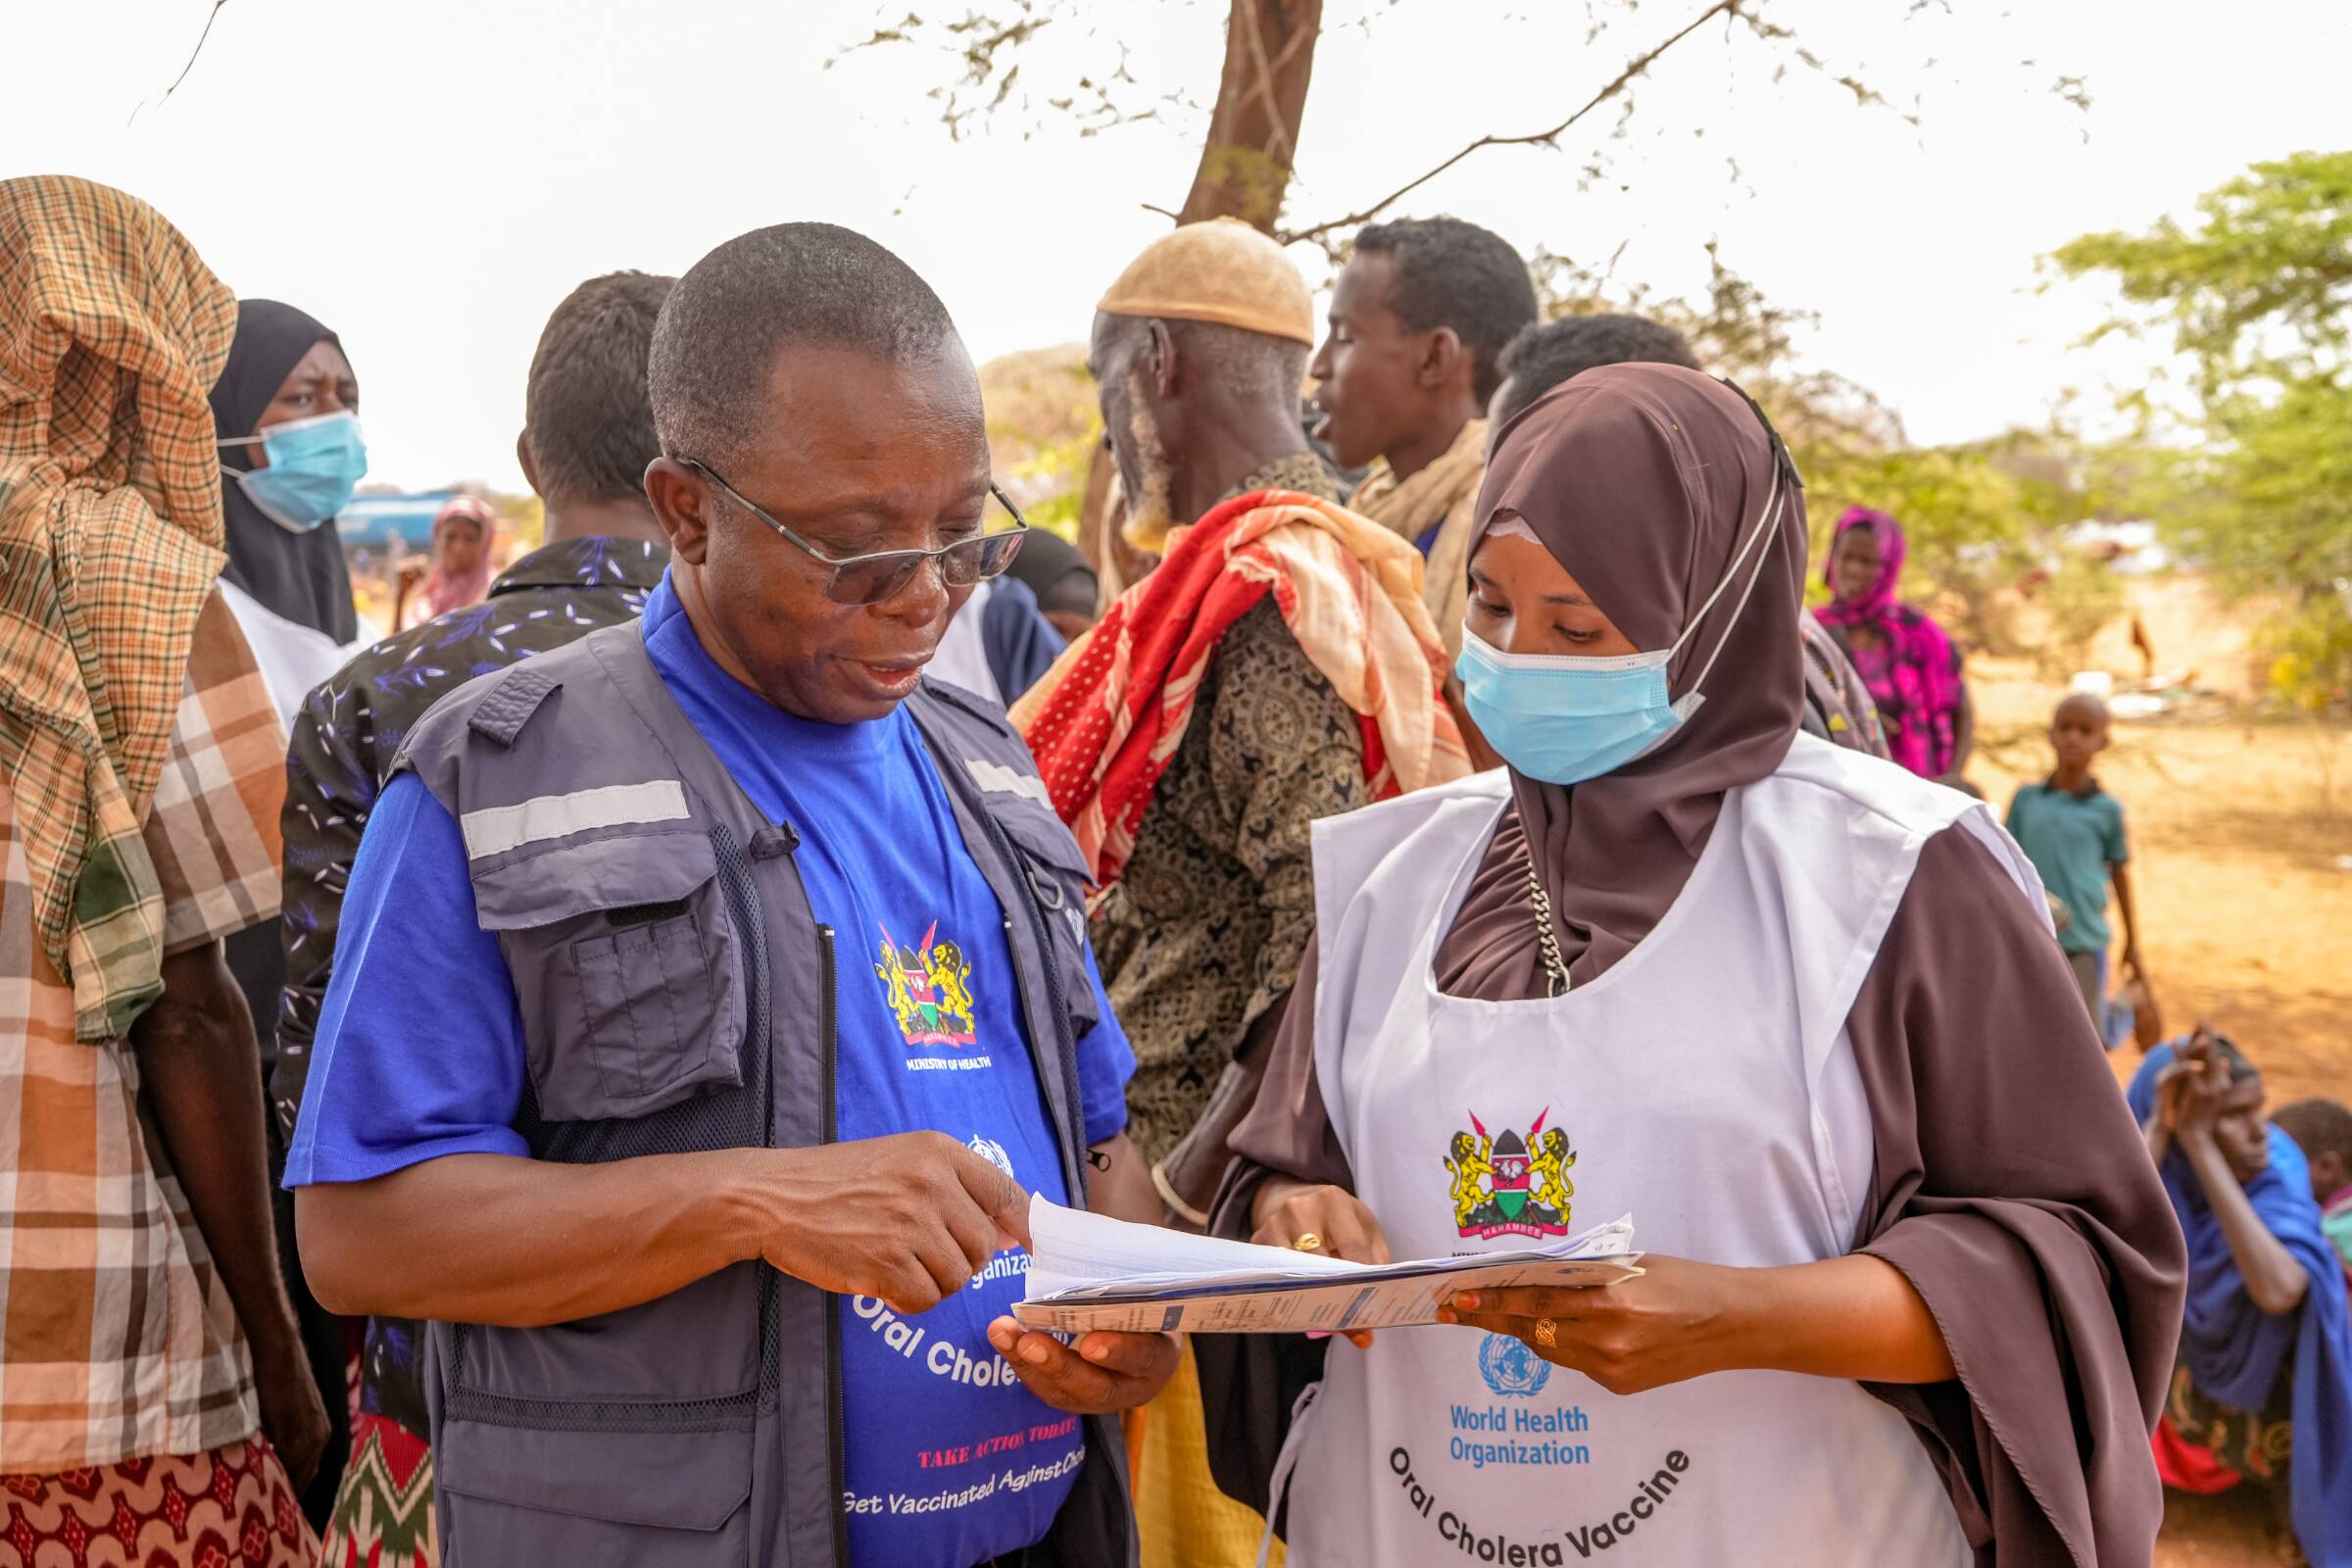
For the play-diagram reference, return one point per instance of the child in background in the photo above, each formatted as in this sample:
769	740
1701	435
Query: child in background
460	571
2323	1130
2073	831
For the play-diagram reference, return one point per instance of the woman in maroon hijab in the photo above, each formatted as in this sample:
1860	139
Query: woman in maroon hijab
1793	1010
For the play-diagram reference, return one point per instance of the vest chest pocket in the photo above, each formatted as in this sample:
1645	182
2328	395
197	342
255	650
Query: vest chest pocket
628	970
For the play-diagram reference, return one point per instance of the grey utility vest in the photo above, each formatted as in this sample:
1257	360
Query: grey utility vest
677	995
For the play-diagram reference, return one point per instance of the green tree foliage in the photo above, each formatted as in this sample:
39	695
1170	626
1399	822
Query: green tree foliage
2258	298
2262	286
1044	428
1982	518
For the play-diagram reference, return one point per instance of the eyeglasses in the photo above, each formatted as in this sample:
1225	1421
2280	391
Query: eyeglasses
869	579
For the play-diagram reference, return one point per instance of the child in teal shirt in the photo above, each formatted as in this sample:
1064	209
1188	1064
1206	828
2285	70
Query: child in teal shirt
2073	831
2323	1130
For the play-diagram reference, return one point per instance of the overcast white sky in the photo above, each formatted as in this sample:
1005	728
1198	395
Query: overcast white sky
429	176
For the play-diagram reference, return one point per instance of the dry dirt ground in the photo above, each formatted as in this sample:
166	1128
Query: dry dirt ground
2241	839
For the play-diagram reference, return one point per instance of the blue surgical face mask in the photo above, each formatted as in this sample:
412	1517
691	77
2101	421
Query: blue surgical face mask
314	466
1564	719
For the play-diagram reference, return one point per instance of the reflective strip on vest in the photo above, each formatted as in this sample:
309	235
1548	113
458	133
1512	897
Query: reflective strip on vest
998	779
496	829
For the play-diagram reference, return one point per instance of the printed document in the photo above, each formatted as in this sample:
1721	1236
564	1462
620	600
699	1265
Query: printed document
1089	1271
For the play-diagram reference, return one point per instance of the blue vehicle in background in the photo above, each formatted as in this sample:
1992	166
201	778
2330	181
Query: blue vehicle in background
375	522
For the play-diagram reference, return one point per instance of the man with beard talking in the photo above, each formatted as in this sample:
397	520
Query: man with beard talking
760	1005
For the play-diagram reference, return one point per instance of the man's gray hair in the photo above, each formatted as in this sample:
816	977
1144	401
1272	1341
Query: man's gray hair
1253	364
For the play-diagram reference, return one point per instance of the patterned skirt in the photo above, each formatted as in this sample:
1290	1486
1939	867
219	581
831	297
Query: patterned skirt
232	1507
2254	1445
384	1506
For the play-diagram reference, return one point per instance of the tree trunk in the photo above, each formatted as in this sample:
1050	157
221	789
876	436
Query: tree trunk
1245	166
1261	99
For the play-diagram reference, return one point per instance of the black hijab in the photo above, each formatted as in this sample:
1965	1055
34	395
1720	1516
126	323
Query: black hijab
301	576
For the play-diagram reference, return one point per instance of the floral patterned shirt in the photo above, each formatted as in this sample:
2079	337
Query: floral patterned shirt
1204	931
344	741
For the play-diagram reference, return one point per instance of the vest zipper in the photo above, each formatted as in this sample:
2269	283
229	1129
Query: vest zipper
829	1121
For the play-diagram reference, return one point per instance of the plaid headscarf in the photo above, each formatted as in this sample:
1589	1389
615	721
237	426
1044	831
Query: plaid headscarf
112	331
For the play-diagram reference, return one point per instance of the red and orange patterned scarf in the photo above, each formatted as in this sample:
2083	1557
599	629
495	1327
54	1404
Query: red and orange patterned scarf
1107	718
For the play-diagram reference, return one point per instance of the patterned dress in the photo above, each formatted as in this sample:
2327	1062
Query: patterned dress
344	741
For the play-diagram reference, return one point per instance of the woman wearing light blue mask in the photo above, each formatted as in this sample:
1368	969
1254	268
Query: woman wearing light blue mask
286	410
1792	1010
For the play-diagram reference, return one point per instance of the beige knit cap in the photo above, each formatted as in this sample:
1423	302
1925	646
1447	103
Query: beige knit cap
1222	271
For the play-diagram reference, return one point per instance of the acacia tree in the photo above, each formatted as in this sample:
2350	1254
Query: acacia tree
2258	485
1253	140
1250	150
1250	145
1981	517
1250	153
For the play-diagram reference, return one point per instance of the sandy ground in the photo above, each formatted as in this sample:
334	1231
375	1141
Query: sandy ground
2241	838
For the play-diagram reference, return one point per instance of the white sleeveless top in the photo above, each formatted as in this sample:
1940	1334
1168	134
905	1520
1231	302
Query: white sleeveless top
1704	1083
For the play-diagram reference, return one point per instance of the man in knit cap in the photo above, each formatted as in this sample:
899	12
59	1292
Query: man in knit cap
1278	667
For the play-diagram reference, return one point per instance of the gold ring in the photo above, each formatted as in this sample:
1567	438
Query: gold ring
1309	1243
1547	1333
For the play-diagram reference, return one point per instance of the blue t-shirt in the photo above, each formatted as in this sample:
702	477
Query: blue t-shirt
2072	839
949	1459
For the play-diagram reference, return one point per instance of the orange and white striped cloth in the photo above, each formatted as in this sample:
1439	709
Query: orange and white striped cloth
119	1340
1108	716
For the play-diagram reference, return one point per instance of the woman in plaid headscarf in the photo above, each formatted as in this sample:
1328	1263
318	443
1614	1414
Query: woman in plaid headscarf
140	775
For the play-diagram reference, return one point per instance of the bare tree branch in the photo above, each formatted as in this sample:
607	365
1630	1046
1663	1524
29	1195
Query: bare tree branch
988	86
901	34
1542	138
210	18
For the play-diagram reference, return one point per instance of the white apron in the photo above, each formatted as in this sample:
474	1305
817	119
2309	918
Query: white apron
1704	1085
293	657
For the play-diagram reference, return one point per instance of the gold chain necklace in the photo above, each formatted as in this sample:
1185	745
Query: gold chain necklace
1554	964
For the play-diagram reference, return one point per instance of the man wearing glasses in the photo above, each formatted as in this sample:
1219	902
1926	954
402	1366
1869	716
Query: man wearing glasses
712	994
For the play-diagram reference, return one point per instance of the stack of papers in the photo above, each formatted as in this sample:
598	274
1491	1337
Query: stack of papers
1087	1271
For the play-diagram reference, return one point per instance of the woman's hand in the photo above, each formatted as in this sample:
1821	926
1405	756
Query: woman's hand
1854	1318
1678	1320
1101	1374
1289	1211
2198	1092
293	1415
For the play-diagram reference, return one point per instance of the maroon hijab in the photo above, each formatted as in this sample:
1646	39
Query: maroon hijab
1643	481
